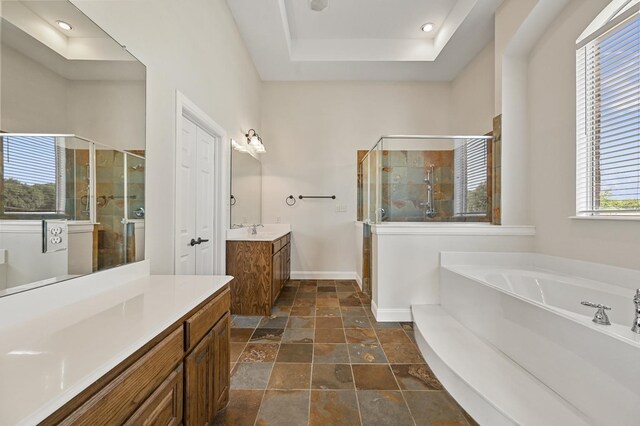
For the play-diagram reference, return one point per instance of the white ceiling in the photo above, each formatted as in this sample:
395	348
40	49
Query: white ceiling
52	11
86	41
363	39
374	19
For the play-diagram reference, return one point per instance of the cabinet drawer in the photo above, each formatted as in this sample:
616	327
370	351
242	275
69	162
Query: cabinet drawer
114	403
277	245
280	243
201	322
164	406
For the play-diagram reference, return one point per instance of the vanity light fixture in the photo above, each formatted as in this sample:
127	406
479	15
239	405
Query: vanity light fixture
255	142
428	27
253	138
64	25
238	147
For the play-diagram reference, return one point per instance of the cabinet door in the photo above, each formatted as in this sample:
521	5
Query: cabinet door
164	406
199	382
287	262
276	274
222	366
283	267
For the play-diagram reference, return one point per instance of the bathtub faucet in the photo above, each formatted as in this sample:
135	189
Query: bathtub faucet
636	321
601	316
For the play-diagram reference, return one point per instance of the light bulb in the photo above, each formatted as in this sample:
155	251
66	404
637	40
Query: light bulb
64	25
428	27
255	141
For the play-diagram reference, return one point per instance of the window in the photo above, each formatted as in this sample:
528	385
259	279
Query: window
32	175
470	188
608	118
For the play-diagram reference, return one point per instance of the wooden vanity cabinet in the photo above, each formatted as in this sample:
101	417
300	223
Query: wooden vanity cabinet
199	383
260	270
221	371
276	277
165	405
181	377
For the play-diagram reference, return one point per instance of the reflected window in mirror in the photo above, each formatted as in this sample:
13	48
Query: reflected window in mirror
45	177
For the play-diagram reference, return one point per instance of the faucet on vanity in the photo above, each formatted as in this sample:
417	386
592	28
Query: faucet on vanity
636	322
254	229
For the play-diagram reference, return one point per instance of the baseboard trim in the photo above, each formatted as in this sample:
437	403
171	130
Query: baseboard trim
391	315
323	275
359	281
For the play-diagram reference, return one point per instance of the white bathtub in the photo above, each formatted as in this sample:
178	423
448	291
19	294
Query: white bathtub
528	307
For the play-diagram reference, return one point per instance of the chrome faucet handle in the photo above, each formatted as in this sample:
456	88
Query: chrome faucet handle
601	316
254	228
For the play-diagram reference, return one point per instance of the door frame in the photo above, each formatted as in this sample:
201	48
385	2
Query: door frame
187	108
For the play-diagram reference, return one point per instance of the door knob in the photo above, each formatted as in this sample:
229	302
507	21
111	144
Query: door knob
196	242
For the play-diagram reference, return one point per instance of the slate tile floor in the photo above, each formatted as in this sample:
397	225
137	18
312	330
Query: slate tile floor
322	359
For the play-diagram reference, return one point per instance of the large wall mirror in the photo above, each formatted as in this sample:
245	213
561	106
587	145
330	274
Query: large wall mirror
72	147
246	189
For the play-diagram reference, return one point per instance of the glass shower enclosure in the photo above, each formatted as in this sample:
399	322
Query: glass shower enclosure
409	178
423	179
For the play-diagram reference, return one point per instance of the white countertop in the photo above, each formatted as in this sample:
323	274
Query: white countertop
48	358
267	232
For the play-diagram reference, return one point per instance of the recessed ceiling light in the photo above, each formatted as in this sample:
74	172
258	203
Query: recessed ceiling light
64	25
428	27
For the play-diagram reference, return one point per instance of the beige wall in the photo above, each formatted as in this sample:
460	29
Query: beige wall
552	105
195	48
31	90
312	132
36	99
508	20
109	112
472	96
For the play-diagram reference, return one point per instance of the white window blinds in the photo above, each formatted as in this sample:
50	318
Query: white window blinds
608	119
33	170
470	187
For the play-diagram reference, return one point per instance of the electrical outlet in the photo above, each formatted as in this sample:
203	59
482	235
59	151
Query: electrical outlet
278	219
341	208
54	235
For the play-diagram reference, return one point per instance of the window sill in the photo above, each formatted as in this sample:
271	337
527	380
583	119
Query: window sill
608	217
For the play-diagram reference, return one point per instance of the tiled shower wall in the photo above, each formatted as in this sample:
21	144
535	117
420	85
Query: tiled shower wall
110	207
77	184
404	185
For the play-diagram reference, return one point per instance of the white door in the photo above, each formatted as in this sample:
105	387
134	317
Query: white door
204	203
195	203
